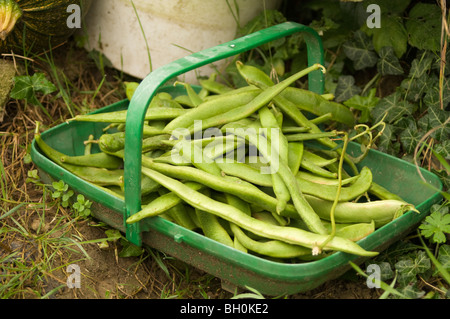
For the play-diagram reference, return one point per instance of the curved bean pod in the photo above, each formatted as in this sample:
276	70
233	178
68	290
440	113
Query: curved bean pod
160	113
230	213
161	204
210	108
328	192
379	211
303	208
99	160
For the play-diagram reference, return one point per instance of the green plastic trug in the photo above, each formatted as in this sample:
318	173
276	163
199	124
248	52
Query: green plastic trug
148	87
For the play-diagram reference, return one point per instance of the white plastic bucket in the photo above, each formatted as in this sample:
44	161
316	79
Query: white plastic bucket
172	28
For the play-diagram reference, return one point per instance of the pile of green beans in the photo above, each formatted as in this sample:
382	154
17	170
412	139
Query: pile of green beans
257	174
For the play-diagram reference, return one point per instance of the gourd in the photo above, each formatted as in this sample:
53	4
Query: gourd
35	25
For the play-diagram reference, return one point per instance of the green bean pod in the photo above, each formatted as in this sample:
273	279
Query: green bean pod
379	211
262	99
193	96
98	176
257	77
303	208
111	143
310	166
275	136
230	213
160	205
210	108
229	184
295	156
317	159
316	104
328	192
214	86
271	248
181	216
100	160
245	172
160	113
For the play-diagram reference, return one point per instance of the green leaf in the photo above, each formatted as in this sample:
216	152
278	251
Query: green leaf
408	267
130	88
424	26
421	65
443	149
444	256
23	88
113	234
435	226
409	139
395	107
389	63
56	194
406	270
385	141
26	87
41	84
416	87
59	186
130	250
363	104
411	291
33	176
432	96
360	51
386	271
67	195
346	88
391	34
435	119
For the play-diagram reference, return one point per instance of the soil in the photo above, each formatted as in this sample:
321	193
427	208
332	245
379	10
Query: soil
104	274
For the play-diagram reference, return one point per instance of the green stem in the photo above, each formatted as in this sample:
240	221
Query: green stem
338	194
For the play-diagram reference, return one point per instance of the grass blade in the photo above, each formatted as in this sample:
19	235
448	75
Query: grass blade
444	273
12	211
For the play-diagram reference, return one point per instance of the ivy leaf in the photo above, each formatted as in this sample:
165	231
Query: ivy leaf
361	51
416	87
444	256
346	88
432	97
389	63
409	139
363	104
444	177
385	141
443	149
391	34
408	268
424	26
435	226
394	106
421	65
386	271
406	271
27	86
435	118
411	291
